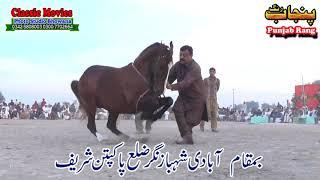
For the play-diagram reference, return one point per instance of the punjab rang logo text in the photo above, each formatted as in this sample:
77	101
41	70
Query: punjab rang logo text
47	19
277	13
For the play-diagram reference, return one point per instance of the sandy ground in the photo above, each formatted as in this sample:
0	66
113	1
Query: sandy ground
29	149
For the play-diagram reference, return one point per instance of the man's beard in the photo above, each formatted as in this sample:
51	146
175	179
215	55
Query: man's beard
183	61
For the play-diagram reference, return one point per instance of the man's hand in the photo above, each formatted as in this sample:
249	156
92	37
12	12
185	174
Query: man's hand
169	86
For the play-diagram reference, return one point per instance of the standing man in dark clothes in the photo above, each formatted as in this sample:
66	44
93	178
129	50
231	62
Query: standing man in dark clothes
35	108
11	103
43	103
190	104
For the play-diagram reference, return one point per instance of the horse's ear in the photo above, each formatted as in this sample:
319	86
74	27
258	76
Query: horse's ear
171	47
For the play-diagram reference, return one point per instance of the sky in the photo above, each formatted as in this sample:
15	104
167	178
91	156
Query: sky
227	35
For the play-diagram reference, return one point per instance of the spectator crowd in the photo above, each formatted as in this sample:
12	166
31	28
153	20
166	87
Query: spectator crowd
278	113
38	110
43	110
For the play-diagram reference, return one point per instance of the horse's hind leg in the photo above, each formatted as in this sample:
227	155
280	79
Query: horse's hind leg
112	125
148	126
92	124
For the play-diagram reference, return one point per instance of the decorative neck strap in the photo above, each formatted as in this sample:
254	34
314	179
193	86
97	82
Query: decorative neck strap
139	73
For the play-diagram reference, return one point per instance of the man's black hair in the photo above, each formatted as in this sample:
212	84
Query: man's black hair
187	47
212	69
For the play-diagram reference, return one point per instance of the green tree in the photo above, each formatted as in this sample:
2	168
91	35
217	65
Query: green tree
252	105
265	106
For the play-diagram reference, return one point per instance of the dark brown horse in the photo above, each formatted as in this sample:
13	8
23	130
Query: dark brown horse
127	90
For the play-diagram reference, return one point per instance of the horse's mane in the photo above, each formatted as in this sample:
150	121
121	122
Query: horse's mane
152	56
146	52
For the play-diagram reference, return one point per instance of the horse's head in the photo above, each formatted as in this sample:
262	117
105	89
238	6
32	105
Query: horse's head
157	58
160	68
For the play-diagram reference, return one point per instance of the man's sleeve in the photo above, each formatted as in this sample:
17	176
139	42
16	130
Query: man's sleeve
190	77
205	82
172	75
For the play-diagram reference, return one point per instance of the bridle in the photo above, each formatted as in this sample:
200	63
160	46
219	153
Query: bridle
145	80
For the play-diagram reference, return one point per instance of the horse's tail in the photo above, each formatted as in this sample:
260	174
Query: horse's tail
75	89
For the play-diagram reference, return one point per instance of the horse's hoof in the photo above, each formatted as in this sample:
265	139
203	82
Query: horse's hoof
143	139
99	137
124	137
139	132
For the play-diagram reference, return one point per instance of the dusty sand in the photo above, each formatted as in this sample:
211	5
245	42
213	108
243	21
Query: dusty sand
29	149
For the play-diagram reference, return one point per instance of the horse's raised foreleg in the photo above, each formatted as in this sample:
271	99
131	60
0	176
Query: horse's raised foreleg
112	125
164	104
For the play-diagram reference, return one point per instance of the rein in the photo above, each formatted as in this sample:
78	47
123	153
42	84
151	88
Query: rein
147	83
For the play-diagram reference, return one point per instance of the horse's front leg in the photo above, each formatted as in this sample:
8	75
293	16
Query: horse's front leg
164	105
112	125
